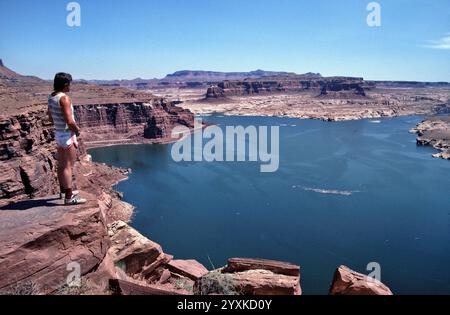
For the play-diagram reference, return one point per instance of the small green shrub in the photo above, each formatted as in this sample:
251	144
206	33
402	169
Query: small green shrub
21	288
216	282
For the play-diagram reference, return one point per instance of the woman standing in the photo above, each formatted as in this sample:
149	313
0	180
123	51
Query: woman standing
60	111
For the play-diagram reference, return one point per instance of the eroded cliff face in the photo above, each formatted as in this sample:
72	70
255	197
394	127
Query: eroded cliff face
27	156
333	86
130	122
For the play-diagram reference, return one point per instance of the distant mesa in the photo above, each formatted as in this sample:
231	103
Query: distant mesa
336	87
197	79
343	87
203	76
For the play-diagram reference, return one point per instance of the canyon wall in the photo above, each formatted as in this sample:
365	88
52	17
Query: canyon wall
334	86
130	122
27	155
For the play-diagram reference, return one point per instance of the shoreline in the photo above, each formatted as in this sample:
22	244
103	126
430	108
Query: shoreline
324	118
435	132
378	103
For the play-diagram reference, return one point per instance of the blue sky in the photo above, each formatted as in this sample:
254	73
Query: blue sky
149	38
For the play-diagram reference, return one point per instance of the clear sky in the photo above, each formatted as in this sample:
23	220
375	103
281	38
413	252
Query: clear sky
150	38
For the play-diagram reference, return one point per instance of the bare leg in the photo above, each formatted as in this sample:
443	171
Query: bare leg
59	170
66	160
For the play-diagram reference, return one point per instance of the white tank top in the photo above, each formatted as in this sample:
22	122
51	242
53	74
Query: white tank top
57	115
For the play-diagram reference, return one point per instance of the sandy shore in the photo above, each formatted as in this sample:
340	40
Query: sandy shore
377	104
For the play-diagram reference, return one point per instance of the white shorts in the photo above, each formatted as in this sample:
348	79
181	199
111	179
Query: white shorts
66	139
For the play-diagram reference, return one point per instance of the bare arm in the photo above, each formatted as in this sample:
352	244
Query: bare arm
67	114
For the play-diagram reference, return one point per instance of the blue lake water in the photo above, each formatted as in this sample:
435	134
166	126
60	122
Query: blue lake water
346	193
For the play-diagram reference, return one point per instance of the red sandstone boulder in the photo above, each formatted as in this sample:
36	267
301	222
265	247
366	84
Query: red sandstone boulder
349	282
245	276
244	264
189	268
136	255
165	276
134	265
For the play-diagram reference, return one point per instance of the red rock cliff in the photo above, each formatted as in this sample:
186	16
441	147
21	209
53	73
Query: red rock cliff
130	122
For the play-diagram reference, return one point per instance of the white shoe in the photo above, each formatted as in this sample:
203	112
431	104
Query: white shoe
74	201
74	193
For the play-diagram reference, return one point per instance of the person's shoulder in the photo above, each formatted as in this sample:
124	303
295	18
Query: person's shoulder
65	98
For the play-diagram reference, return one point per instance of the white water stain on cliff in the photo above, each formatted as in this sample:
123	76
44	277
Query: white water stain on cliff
328	191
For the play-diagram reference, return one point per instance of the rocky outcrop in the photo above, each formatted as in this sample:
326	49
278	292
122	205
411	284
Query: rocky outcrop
251	277
215	92
136	255
245	264
189	268
342	89
41	238
136	265
28	152
435	132
27	156
349	282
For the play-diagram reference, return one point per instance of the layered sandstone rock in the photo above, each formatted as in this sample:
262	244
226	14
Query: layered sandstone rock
130	122
349	282
27	156
136	255
245	276
245	264
334	86
189	268
137	265
41	238
215	92
342	88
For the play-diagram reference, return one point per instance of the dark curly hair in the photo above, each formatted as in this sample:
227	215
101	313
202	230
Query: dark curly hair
61	81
